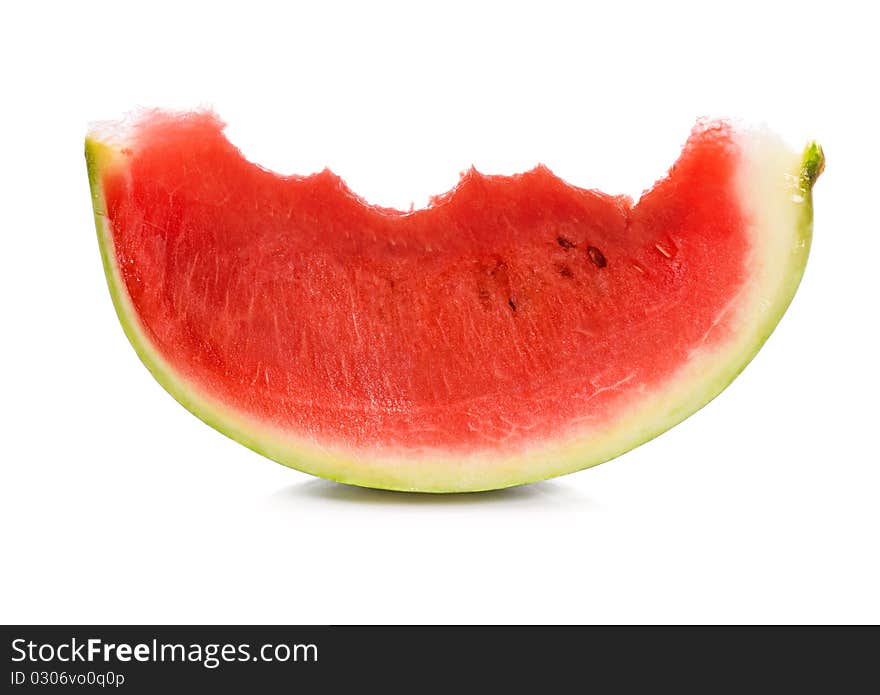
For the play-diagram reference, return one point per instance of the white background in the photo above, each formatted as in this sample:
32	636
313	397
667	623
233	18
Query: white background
118	506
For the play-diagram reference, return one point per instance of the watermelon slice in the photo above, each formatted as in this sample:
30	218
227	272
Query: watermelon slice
517	328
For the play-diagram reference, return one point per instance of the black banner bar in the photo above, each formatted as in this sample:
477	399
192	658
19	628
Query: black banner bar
151	659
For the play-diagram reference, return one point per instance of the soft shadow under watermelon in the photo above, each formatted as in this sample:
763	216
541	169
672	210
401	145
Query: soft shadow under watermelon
538	495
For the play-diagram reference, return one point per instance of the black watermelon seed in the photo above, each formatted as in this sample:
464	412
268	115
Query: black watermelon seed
597	257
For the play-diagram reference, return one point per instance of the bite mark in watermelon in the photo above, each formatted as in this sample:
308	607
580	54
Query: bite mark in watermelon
516	329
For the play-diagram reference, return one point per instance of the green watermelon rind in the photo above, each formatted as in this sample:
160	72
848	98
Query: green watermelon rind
442	472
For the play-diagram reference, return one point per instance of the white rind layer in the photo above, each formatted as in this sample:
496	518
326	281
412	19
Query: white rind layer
776	199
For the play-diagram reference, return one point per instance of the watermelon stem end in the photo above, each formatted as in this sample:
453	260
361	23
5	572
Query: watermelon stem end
813	164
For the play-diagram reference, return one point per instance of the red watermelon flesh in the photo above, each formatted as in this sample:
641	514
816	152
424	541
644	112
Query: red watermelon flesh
515	329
